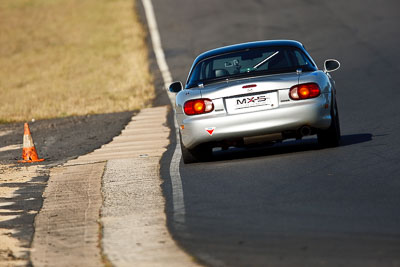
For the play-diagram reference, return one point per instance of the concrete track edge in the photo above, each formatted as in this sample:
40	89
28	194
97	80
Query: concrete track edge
66	228
132	215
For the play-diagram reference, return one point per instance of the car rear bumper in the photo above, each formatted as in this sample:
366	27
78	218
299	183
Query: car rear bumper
313	113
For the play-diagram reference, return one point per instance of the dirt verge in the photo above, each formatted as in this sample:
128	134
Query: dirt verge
22	185
62	139
21	191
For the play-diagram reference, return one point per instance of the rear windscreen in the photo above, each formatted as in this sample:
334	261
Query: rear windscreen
250	62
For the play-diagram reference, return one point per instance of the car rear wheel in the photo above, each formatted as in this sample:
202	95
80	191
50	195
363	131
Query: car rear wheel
331	136
200	153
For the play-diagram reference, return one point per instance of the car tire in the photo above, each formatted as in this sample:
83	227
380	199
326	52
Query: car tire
199	153
331	136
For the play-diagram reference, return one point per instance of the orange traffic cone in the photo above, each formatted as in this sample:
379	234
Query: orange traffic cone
29	153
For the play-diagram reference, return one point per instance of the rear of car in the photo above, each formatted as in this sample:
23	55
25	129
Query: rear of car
252	93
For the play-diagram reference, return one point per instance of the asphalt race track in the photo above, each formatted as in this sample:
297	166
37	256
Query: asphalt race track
295	204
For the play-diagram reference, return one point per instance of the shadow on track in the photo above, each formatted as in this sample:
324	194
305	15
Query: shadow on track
23	206
286	147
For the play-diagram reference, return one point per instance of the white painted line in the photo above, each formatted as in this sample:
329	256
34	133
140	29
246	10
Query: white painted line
176	180
157	47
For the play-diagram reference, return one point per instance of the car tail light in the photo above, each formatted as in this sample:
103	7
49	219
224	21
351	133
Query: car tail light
304	91
198	106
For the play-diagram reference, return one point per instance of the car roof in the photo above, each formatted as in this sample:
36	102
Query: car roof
243	46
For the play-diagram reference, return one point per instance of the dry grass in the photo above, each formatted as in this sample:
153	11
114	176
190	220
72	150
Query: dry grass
71	57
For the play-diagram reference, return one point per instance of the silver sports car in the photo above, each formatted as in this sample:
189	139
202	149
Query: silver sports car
255	93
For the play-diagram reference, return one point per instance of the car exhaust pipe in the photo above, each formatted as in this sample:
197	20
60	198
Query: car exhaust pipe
305	130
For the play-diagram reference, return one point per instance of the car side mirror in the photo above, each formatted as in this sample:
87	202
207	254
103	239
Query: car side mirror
331	65
175	87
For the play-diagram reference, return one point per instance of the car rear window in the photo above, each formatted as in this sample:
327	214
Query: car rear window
248	63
